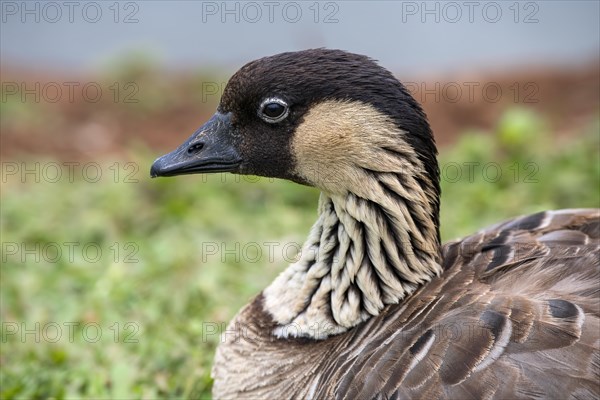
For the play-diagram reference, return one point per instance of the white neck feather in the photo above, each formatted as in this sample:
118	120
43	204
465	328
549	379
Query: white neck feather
359	257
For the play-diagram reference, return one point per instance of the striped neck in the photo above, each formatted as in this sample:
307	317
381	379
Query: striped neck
363	253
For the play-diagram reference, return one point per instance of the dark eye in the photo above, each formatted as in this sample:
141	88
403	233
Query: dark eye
273	110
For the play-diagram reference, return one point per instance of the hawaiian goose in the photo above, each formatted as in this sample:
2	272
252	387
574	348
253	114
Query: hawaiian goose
376	307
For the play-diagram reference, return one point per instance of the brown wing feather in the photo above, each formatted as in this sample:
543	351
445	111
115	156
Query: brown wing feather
514	315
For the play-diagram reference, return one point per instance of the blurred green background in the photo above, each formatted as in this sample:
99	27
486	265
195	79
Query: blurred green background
117	286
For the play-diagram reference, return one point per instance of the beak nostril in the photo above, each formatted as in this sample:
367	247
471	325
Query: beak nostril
195	148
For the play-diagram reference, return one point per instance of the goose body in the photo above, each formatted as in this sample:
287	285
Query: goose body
513	315
375	306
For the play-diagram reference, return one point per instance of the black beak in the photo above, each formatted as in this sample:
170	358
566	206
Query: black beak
209	149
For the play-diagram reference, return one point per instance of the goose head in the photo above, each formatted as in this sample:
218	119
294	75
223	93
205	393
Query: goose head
339	122
325	118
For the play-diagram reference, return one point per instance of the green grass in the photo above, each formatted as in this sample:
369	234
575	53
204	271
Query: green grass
170	273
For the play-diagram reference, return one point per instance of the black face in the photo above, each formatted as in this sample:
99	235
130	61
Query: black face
267	99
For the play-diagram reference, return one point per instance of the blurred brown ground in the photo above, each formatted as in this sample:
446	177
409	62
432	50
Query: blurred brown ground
76	129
